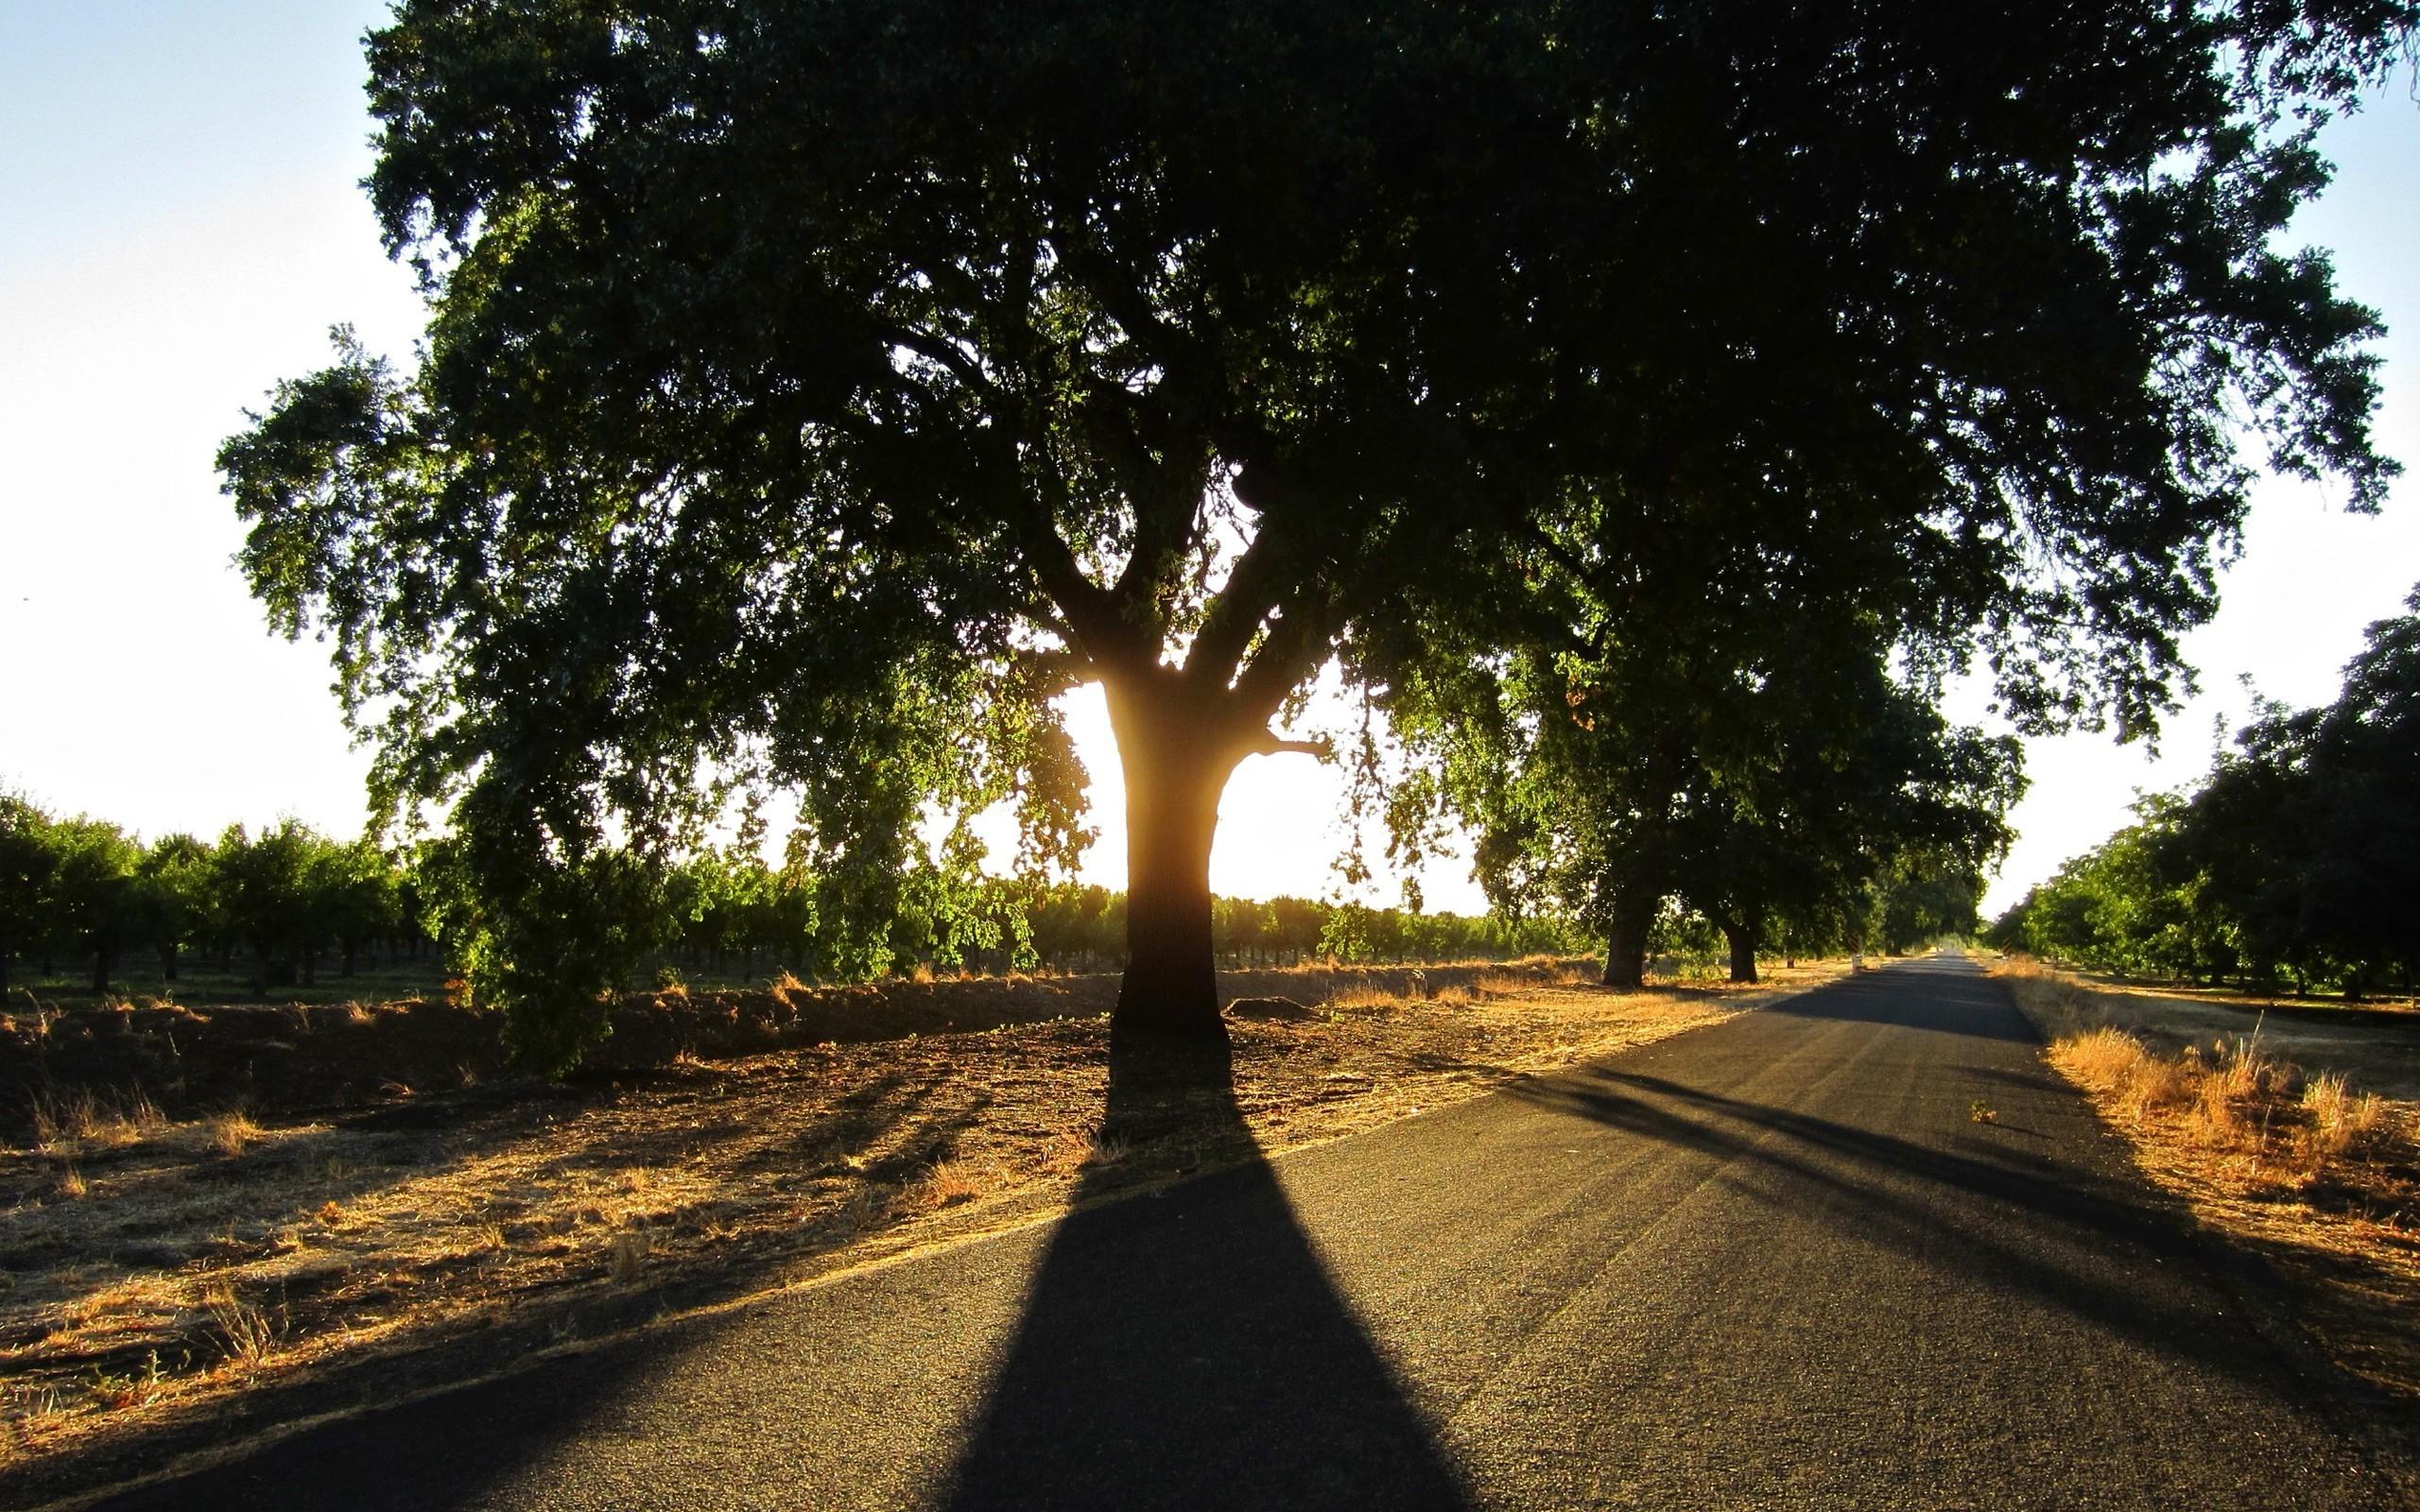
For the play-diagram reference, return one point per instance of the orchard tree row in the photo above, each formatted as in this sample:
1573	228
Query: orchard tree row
83	889
736	916
2296	860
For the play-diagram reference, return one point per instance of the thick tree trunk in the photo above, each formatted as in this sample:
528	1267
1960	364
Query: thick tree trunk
100	971
169	961
1626	943
1176	762
1742	938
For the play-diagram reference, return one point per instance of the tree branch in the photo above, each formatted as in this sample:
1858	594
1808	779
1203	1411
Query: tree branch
1270	745
1103	635
940	353
1287	655
1236	614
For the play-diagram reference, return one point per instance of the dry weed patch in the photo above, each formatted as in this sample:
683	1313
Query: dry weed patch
87	1119
2286	1157
1364	998
232	1132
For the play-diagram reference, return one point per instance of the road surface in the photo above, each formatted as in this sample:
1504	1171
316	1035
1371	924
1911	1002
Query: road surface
1770	1263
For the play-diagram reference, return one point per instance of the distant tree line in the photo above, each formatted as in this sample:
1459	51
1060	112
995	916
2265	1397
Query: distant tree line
281	902
727	914
2297	861
83	894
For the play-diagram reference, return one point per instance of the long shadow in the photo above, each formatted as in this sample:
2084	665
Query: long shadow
1181	1350
1875	1185
1189	1349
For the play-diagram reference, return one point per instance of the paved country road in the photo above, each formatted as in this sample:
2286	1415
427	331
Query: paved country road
1770	1263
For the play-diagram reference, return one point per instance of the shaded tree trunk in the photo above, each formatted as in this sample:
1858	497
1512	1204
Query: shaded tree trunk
169	961
1742	940
1626	942
1176	762
101	971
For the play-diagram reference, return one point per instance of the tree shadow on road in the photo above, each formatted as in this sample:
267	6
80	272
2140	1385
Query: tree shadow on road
2008	1219
1188	1349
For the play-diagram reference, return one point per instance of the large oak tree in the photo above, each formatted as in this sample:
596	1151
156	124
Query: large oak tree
813	390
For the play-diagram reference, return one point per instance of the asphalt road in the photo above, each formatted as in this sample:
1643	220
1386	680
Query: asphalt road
1772	1263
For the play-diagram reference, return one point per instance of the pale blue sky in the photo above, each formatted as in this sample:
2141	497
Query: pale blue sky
180	224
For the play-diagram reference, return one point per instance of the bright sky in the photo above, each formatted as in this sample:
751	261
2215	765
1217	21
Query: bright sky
180	224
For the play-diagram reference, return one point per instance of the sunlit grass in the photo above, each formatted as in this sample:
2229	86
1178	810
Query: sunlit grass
2290	1160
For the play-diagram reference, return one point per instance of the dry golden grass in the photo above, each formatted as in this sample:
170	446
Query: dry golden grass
87	1118
2264	1115
627	1256
247	1333
231	1133
1500	985
1363	998
946	1183
2288	1159
2341	1122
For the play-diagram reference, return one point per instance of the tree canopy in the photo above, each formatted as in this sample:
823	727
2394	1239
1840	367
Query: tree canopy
2299	855
813	391
1737	741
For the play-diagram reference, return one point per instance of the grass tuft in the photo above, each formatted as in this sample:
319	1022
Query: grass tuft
247	1334
627	1257
950	1182
2343	1123
231	1133
89	1118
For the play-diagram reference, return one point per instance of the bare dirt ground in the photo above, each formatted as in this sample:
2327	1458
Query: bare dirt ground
168	1283
2295	1134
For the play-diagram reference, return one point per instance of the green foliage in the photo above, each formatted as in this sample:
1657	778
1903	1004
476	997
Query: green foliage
261	885
289	893
95	905
1737	745
27	864
1926	895
2299	855
84	887
178	903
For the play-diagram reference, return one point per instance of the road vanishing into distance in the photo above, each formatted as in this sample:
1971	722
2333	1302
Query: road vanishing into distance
1769	1263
